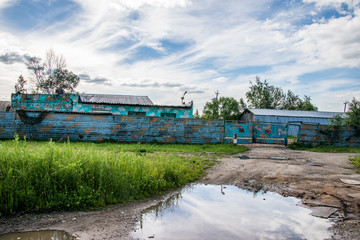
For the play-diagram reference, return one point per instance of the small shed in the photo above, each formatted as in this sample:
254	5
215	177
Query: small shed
294	118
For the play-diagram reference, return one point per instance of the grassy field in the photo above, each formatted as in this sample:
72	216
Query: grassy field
331	149
46	176
328	149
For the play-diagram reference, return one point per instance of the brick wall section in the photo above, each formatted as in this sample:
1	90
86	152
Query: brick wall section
7	124
95	127
315	135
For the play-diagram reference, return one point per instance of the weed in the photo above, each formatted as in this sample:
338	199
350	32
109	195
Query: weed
46	176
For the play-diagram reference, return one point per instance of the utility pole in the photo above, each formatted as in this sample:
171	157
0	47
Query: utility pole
345	103
217	93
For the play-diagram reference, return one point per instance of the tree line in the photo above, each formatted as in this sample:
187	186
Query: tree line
261	95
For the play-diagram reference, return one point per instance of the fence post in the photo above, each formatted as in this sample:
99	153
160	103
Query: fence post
286	134
224	134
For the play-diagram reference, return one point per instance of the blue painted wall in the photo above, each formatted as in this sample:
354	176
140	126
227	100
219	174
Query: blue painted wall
256	132
100	127
316	135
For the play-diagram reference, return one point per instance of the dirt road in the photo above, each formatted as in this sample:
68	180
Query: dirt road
324	181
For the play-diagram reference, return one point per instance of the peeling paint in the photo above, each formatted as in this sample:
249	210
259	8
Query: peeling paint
316	135
91	127
71	103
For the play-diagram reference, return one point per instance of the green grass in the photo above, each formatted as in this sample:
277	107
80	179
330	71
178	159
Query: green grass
46	176
328	149
175	148
356	162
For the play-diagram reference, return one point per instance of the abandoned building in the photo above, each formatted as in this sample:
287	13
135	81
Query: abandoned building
293	118
98	103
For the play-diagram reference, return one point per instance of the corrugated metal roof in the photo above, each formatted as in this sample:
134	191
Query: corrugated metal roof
291	113
116	99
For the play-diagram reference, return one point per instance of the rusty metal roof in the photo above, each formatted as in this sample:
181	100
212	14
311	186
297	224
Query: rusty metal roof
116	99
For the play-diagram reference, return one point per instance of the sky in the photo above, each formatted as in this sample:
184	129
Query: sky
162	48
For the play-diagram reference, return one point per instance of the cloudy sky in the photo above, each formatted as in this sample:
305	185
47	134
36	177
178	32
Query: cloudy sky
161	48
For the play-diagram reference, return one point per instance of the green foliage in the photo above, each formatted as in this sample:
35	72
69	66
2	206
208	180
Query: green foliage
224	107
196	115
211	109
262	95
45	176
353	115
51	74
61	79
305	105
336	121
265	96
328	149
20	84
229	108
356	162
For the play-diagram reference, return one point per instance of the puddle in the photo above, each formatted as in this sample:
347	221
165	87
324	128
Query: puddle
227	212
37	235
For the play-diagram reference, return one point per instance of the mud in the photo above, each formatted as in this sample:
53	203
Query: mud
324	181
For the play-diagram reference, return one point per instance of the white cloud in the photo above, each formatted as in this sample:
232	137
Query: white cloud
336	3
335	43
218	37
6	3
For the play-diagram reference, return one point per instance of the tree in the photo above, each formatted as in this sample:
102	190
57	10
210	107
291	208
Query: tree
61	79
211	109
224	107
262	95
51	74
291	101
306	105
242	105
196	115
353	115
229	108
19	85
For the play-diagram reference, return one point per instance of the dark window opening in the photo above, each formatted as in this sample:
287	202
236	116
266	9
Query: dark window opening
168	115
137	114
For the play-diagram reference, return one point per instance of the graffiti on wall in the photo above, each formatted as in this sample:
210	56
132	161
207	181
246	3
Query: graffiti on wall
316	135
108	127
72	103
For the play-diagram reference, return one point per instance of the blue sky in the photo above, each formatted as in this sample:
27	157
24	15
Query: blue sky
161	48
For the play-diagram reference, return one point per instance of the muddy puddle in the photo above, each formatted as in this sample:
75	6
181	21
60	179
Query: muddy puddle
37	235
227	212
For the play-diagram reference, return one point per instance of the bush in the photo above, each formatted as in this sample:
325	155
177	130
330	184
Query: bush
356	162
353	116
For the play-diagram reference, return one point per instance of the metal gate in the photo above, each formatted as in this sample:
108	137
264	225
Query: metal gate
256	132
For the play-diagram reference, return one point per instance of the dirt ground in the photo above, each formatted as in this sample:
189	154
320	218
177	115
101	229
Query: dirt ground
326	182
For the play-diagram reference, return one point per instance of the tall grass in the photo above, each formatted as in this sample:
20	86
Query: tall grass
44	176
